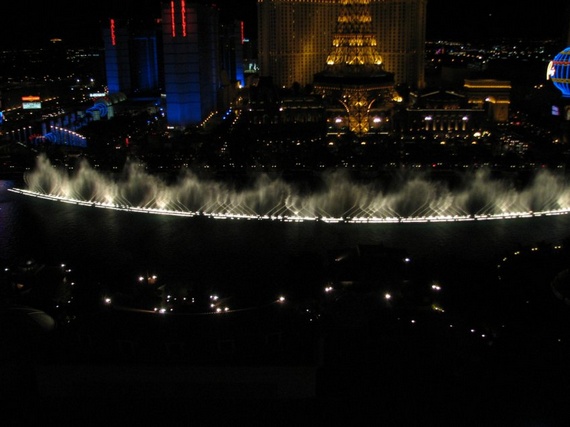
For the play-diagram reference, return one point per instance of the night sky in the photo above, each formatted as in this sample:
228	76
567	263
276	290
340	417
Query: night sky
29	23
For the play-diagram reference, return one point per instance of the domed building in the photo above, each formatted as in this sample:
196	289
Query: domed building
559	72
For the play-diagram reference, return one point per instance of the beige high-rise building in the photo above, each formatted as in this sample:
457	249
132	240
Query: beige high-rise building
295	37
401	34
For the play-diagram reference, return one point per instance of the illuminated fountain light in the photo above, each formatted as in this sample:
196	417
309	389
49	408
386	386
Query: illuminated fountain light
229	215
338	201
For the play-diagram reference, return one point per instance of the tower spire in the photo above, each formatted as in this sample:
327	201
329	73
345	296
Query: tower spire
354	43
354	76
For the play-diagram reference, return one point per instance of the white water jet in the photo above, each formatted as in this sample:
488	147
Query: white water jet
415	198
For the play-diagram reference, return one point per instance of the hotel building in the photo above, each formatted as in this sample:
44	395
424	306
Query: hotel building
295	37
190	41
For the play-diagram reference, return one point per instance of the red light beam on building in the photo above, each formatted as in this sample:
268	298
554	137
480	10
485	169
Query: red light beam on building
112	28
183	13
173	19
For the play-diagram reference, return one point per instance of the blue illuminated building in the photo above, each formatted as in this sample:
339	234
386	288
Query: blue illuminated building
188	56
232	51
191	61
132	57
144	54
117	64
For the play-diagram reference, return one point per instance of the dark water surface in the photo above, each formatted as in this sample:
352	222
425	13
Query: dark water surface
110	246
389	369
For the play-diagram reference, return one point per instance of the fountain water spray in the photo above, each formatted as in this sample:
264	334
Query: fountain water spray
339	199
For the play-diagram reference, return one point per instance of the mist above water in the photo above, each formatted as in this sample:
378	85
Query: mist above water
410	196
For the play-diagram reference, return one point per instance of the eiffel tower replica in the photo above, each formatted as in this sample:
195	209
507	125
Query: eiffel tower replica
354	75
